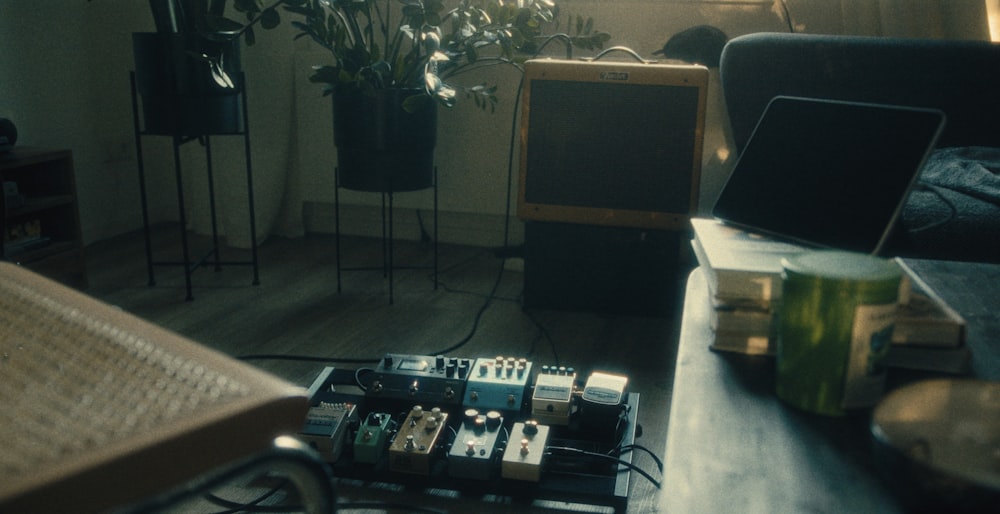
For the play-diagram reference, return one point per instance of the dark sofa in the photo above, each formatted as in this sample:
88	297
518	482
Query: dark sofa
954	213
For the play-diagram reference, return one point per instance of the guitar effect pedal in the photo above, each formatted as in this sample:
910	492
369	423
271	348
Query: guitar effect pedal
525	452
413	447
326	428
370	441
552	398
420	379
472	454
498	384
602	404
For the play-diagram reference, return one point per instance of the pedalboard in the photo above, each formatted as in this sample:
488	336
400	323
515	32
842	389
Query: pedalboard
413	448
472	454
372	437
498	384
423	379
499	425
552	398
525	452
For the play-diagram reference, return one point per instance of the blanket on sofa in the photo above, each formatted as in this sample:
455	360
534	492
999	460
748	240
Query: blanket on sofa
957	200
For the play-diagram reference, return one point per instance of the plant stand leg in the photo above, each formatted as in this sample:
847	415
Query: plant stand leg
385	243
250	202
142	182
435	228
336	223
183	218
211	202
391	298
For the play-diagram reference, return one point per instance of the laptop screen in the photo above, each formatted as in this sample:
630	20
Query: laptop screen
828	173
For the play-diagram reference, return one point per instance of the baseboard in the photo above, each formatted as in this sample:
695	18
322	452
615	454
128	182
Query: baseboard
464	228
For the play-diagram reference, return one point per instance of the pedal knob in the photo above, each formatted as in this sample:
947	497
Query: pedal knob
530	427
493	420
470	417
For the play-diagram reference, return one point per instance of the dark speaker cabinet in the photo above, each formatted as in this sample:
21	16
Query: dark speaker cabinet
614	270
41	217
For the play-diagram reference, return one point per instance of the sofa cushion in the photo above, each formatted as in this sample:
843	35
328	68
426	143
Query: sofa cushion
956	203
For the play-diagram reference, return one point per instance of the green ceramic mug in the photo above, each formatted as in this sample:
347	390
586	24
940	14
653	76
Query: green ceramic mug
834	329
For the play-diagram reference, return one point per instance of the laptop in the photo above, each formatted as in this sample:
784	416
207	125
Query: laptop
828	173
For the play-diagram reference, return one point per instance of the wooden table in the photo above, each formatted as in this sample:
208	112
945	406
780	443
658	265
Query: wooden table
732	446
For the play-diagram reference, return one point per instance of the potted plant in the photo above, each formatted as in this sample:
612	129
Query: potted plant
394	61
187	72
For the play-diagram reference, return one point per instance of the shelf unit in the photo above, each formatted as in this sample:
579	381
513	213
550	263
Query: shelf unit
41	214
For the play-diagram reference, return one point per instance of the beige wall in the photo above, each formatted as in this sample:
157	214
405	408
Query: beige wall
64	81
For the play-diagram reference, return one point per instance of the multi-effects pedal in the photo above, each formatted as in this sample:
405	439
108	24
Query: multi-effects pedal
423	379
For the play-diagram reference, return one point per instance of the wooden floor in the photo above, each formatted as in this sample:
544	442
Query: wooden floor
297	311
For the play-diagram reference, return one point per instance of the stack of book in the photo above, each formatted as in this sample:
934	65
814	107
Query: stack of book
743	271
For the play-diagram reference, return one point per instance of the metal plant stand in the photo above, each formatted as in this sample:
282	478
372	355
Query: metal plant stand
388	264
212	257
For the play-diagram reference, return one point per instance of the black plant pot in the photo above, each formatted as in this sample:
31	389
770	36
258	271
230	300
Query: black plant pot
181	92
381	147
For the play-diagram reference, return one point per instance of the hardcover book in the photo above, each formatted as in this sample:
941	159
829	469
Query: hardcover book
741	267
743	271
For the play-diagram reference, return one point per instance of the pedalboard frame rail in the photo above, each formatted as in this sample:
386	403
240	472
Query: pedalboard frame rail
417	425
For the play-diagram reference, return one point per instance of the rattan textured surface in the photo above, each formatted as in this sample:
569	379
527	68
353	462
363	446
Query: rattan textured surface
83	386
